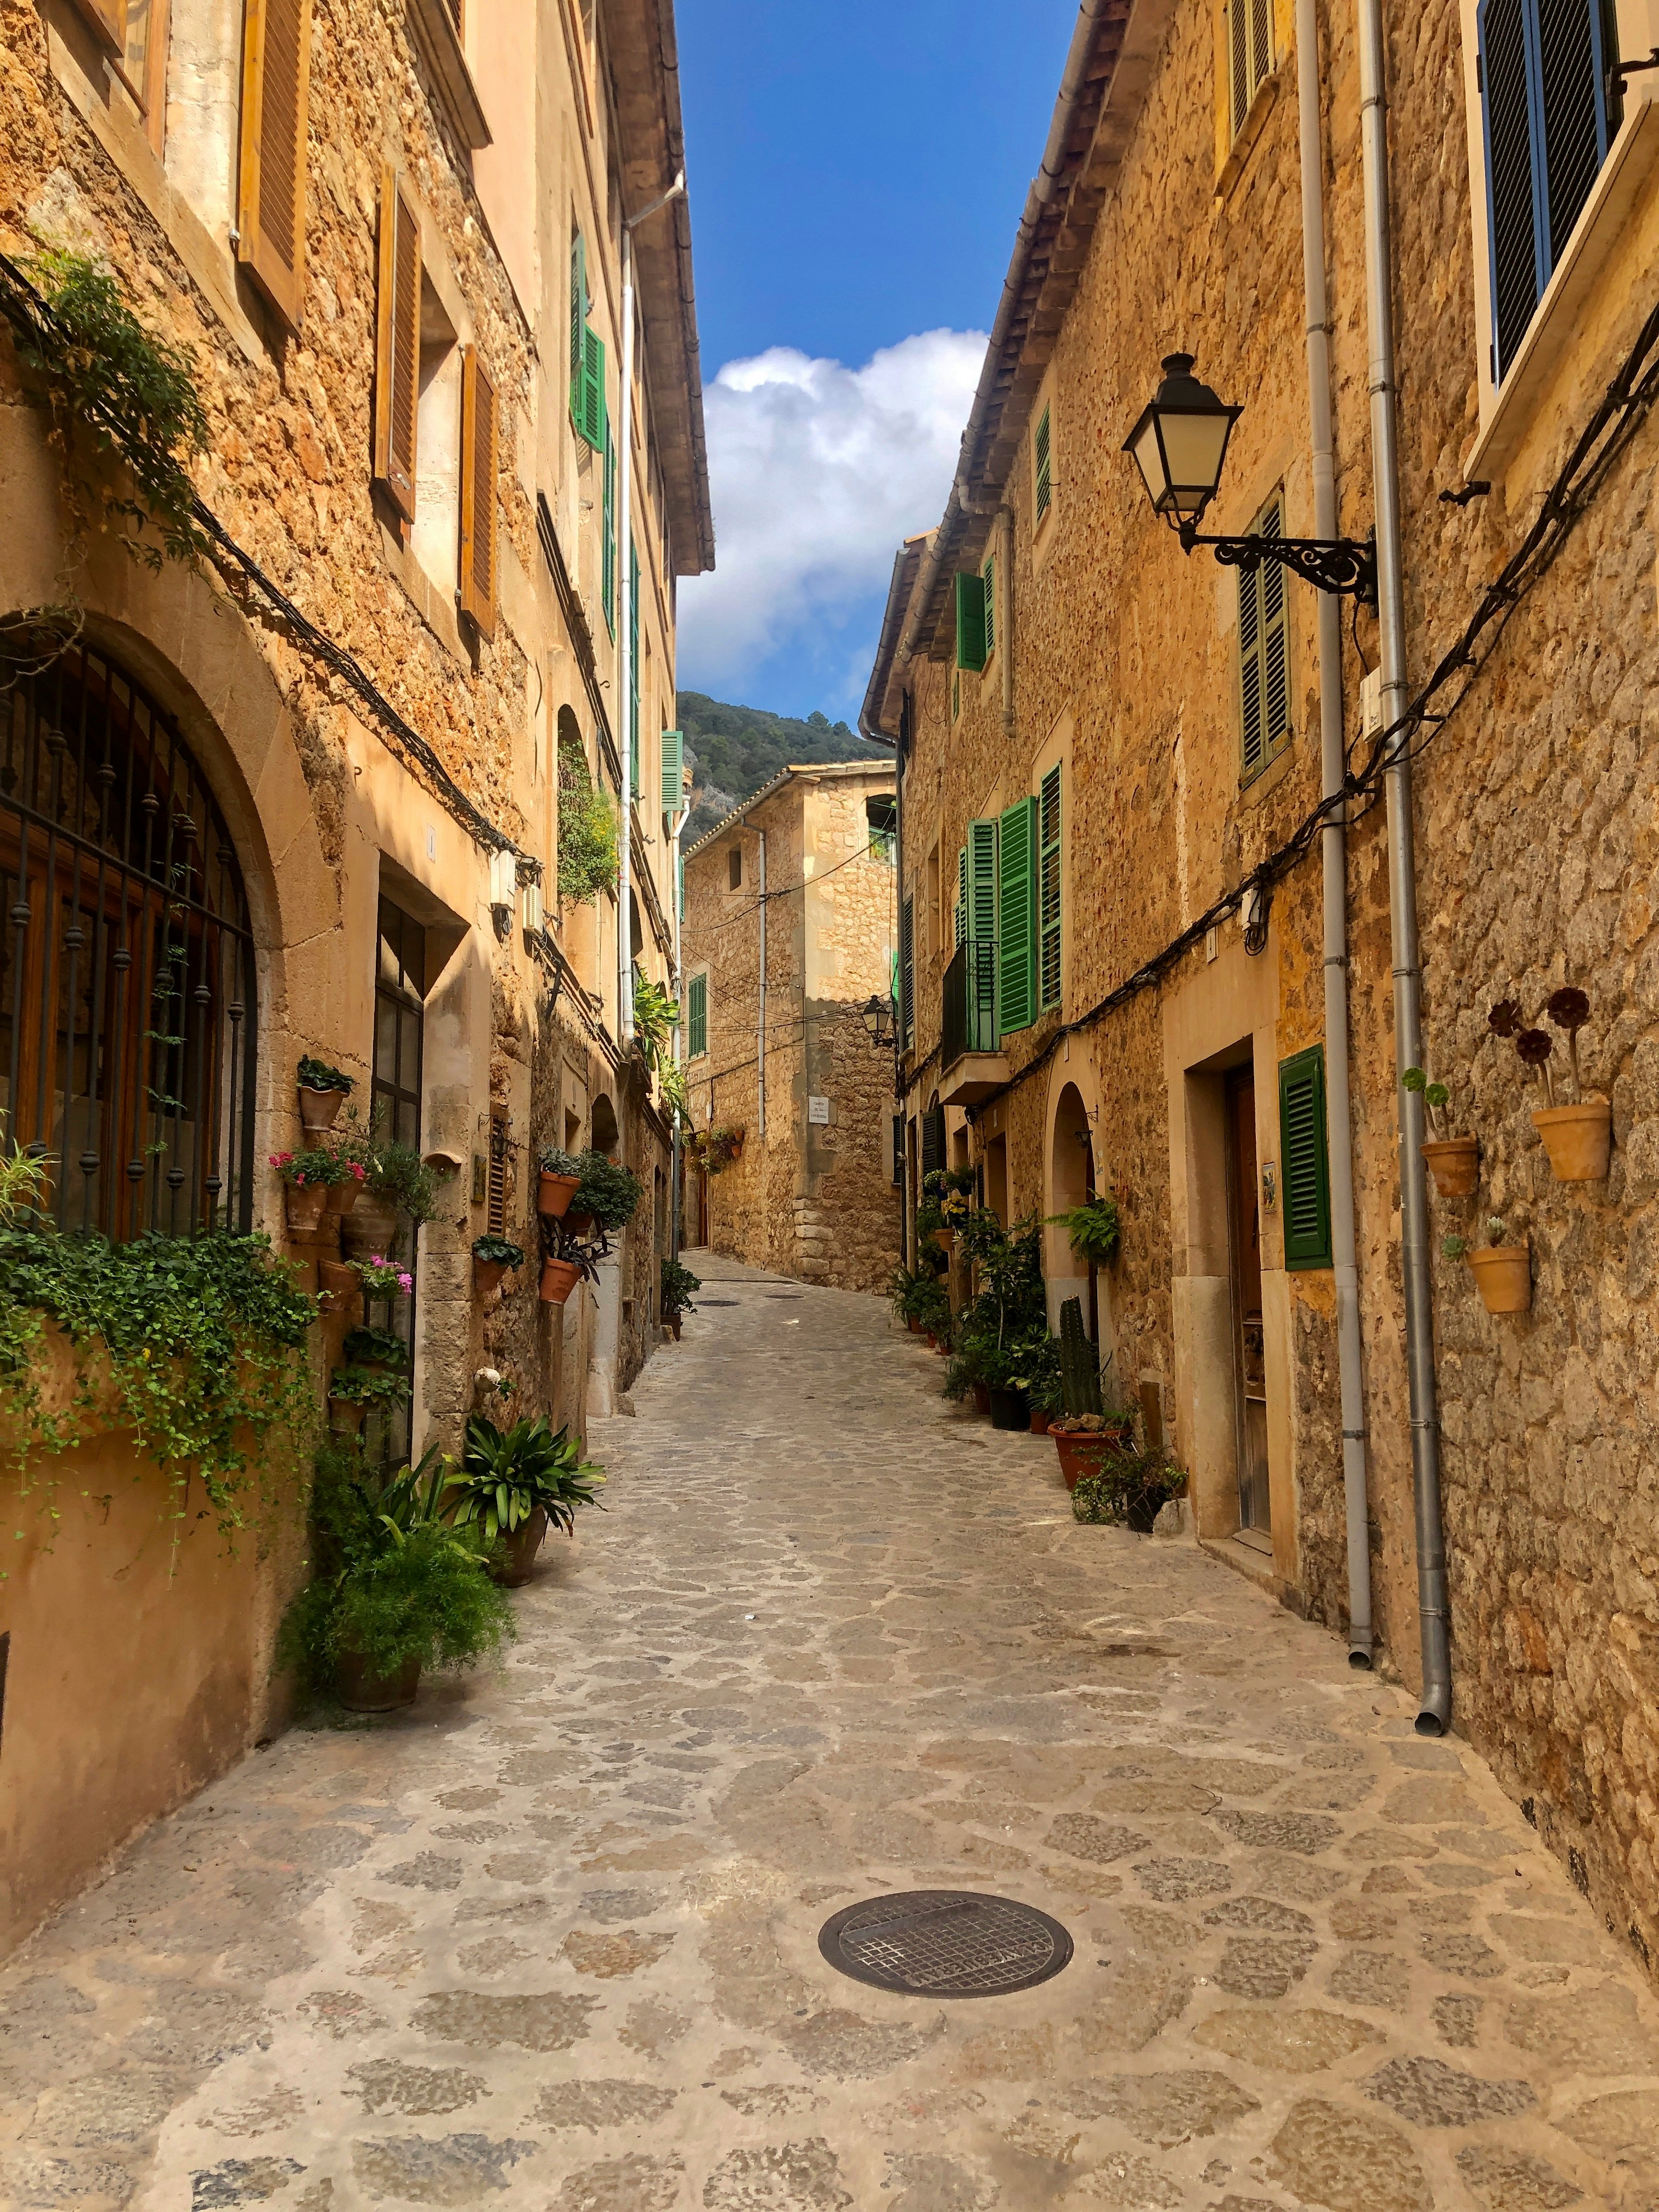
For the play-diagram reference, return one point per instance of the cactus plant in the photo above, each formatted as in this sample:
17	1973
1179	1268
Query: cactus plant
1079	1369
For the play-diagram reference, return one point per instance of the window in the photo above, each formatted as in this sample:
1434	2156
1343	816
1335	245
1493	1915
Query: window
1042	466
143	63
734	868
127	1001
587	407
272	165
1264	682
1548	112
907	973
435	528
696	1018
973	643
1249	54
1017	917
881	814
1304	1160
988	597
1049	890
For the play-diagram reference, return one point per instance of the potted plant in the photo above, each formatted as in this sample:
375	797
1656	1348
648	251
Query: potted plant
492	1257
307	1177
1503	1272
608	1195
1127	1489
511	1482
396	1589
562	1270
343	1192
323	1091
382	1278
1453	1162
339	1286
1085	1442
1036	1358
353	1390
378	1348
722	1147
678	1284
560	1178
1092	1229
933	1310
1578	1134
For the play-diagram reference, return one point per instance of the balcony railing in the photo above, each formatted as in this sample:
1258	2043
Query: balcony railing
970	1012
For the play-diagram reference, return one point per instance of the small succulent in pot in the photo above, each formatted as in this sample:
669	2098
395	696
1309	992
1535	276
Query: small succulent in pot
1435	1096
1459	1247
1569	1008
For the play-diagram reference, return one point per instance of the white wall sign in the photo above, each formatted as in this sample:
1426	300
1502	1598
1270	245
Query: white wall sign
817	1109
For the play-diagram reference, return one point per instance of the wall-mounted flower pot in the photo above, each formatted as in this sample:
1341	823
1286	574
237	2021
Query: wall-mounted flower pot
370	1227
1040	1417
578	1224
340	1286
487	1275
342	1196
981	1394
305	1202
1454	1164
554	1193
1502	1275
1578	1140
559	1279
363	1690
513	1561
1010	1409
320	1110
345	1417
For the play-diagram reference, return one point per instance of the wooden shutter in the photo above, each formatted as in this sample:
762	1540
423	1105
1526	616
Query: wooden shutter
1304	1161
496	1206
673	771
907	972
578	319
989	580
270	215
898	1152
1249	54
1017	917
697	1018
477	493
1049	890
932	1141
970	621
962	896
1043	455
107	21
608	550
1516	247
397	346
1264	692
982	881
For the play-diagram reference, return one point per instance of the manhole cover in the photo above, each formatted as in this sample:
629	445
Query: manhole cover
717	1302
945	1943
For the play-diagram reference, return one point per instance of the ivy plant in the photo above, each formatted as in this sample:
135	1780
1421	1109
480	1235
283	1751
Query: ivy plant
588	855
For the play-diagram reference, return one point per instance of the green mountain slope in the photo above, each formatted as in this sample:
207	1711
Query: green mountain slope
733	751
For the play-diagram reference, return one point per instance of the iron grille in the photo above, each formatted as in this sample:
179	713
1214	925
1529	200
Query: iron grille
128	1008
969	1015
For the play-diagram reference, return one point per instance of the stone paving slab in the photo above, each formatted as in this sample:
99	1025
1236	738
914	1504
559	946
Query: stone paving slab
550	1942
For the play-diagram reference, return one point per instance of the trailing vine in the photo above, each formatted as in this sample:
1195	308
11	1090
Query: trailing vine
588	857
199	1340
108	377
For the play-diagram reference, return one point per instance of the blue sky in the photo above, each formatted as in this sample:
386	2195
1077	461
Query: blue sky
856	174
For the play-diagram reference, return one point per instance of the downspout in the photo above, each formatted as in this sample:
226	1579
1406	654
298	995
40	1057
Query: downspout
1435	1708
676	1164
906	1256
625	653
1333	768
760	1046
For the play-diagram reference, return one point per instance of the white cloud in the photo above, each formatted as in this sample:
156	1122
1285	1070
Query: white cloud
817	472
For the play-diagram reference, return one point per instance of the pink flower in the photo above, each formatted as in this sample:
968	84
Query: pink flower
406	1283
281	1159
356	1170
377	1259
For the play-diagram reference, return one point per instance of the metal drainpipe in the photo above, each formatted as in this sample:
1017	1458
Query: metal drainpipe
1332	766
1435	1711
624	651
761	1041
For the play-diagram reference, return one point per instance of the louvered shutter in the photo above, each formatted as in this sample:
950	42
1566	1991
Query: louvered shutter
1304	1161
1016	917
988	585
1264	698
633	667
1572	94
697	1018
673	771
578	319
982	907
1049	890
1516	247
898	1152
933	1141
1043	454
962	896
271	196
1249	54
592	421
397	346
477	493
608	549
907	973
970	621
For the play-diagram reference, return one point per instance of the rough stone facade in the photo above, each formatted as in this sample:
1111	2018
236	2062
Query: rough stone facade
541	122
1115	658
809	1198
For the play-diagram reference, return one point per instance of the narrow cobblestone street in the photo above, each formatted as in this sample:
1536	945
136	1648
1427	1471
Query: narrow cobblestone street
550	1942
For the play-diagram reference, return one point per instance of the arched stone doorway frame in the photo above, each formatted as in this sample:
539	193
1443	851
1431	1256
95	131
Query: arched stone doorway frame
1073	1102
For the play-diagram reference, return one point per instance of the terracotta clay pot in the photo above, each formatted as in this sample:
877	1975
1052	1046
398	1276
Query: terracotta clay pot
1578	1140
340	1286
513	1560
982	1395
1454	1164
559	1279
1502	1275
674	1327
345	1417
487	1275
554	1193
305	1202
342	1196
370	1227
913	1325
1080	1454
362	1689
1039	1420
320	1110
578	1224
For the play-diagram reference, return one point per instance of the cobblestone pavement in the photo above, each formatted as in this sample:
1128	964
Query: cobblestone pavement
550	1942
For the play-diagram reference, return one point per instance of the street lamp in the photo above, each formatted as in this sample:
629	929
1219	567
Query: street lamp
878	1018
1179	445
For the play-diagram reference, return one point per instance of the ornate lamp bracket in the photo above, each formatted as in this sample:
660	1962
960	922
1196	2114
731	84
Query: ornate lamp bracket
1343	566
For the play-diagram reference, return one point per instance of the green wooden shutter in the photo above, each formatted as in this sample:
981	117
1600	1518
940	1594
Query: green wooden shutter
1304	1160
608	551
962	896
1049	890
907	973
673	771
988	582
697	1016
971	644
577	321
633	667
1016	917
981	884
932	1141
1044	457
1264	695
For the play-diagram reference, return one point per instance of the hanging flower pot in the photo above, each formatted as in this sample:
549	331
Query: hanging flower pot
305	1202
320	1110
363	1689
342	1195
341	1287
578	1226
371	1225
1454	1164
1578	1140
559	1279
492	1258
1502	1275
554	1193
345	1416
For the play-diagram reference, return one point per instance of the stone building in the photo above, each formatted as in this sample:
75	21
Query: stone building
1125	967
788	934
434	606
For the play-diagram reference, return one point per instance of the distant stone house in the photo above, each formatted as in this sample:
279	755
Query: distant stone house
788	934
1134	961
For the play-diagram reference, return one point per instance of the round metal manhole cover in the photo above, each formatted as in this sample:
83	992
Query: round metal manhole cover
945	1943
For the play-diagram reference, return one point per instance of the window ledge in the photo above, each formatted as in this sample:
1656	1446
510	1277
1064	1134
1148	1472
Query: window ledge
1559	322
428	600
1255	118
439	40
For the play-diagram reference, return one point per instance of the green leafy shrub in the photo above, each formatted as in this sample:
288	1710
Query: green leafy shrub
589	861
678	1284
368	1386
609	1192
506	1473
1126	1483
556	1161
317	1164
1092	1229
656	1016
318	1075
499	1250
397	1174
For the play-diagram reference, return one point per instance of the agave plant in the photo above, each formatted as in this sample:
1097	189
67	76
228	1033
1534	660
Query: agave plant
506	1473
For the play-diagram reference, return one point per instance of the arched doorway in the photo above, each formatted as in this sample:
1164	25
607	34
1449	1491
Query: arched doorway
128	1006
607	1134
1071	1181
